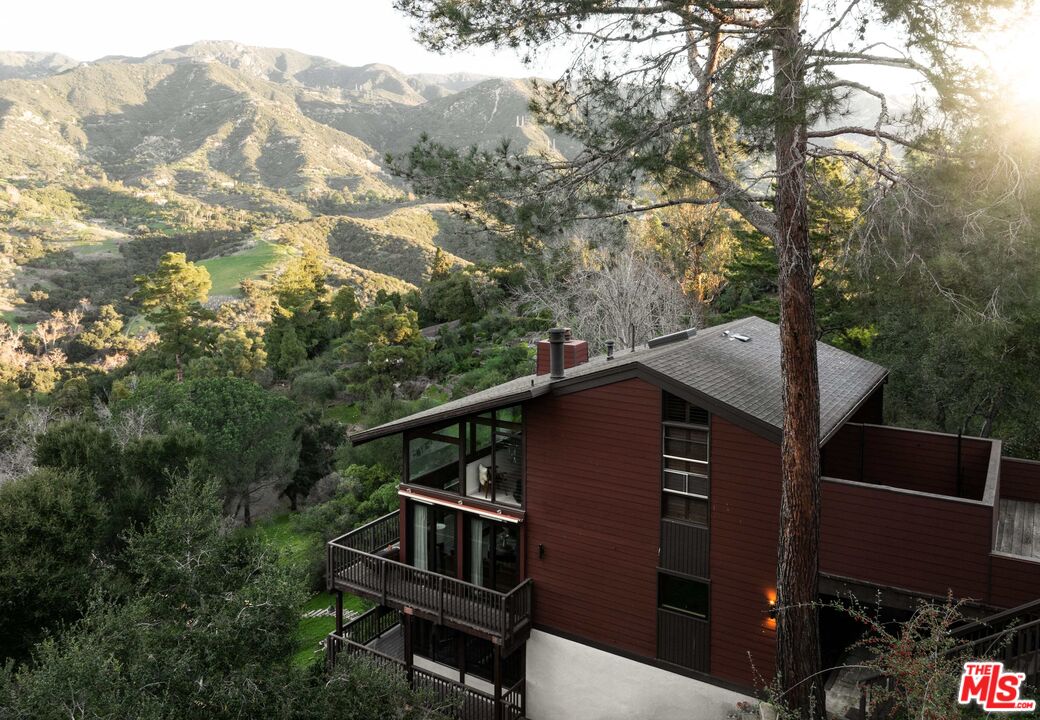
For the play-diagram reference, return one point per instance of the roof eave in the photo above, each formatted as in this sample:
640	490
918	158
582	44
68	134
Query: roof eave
364	436
855	408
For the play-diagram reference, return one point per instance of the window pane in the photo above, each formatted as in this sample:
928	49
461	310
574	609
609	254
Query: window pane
682	433
508	468
510	414
507	557
686	449
478	461
443	560
433	463
675	481
688	596
685	508
697	484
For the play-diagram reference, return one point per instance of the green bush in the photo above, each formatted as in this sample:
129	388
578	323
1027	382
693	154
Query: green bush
314	386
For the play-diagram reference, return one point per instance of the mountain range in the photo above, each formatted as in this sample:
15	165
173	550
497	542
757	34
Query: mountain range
270	143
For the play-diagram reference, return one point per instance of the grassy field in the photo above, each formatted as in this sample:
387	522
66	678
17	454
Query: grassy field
345	414
280	533
229	271
313	630
10	317
108	246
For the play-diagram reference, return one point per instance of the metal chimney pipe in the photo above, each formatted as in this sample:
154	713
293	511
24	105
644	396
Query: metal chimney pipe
610	349
556	339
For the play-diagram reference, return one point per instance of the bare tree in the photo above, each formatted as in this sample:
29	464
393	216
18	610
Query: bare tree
610	291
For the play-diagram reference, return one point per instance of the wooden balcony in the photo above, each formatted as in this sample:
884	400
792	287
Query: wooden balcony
376	636
364	562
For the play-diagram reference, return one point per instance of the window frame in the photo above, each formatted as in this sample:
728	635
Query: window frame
685	475
466	441
662	574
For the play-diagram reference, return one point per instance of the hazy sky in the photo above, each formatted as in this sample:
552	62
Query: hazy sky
353	32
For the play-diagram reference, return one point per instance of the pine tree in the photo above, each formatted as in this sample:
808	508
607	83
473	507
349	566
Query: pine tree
172	298
727	102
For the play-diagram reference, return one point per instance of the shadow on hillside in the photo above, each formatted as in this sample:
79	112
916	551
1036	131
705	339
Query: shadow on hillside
179	114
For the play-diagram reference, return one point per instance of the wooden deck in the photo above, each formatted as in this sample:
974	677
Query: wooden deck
1018	529
361	563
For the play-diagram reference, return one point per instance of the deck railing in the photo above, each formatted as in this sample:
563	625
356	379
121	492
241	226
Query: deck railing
355	565
449	698
1011	636
371	624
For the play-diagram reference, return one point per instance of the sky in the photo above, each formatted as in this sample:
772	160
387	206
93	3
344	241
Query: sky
353	32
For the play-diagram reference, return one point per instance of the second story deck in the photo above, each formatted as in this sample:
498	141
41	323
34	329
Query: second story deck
930	513
366	562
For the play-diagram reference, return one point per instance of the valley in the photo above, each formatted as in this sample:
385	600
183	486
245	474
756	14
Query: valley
238	156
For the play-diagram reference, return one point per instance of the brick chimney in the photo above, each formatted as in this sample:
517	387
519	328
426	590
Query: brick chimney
575	352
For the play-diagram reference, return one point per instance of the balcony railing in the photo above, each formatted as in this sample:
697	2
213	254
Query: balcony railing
449	698
360	562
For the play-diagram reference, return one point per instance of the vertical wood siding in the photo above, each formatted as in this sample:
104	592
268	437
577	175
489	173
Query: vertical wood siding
684	548
683	640
745	512
594	503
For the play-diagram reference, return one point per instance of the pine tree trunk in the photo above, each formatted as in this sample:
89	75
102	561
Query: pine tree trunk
798	635
247	512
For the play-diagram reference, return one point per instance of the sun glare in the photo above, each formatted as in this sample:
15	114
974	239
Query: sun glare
1013	54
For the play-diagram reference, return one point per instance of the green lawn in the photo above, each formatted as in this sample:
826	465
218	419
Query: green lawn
10	317
95	247
346	414
280	532
313	630
229	271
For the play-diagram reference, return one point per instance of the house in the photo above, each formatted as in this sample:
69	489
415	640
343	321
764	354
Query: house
598	540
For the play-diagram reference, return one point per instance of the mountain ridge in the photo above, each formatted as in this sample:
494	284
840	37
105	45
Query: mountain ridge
101	159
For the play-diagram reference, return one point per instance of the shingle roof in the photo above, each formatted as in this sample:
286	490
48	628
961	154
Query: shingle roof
737	380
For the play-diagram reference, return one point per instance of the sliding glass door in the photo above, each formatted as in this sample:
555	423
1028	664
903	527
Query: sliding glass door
492	553
432	544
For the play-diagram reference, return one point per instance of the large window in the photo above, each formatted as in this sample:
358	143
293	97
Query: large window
685	441
480	457
492	553
432	544
434	458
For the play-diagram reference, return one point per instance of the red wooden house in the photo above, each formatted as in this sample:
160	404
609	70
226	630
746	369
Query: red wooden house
598	540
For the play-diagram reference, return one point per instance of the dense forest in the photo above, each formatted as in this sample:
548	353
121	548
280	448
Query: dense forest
174	439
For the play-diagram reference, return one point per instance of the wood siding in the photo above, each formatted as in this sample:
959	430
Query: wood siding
745	512
594	505
908	459
683	640
1020	479
904	540
873	408
684	548
1015	581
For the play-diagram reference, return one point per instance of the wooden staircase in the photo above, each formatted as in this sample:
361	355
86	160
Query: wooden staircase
1010	636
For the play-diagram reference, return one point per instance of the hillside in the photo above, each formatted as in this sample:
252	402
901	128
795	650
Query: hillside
106	164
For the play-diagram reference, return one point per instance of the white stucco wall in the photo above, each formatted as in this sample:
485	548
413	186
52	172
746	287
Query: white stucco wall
570	681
